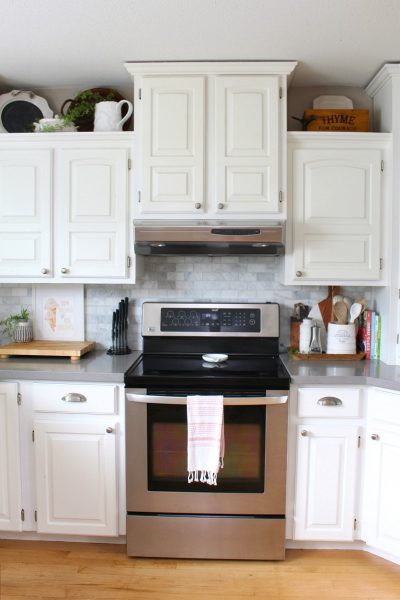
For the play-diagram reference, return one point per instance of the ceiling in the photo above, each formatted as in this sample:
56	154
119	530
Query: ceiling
59	43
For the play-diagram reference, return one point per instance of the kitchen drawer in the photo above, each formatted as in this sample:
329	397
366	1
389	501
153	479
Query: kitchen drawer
315	402
384	406
75	398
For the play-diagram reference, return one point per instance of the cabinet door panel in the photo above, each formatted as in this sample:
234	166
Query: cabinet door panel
246	160
383	490
172	135
25	212
10	474
76	478
92	214
325	482
336	210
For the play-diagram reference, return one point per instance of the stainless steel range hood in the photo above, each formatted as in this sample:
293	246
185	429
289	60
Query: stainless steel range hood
212	238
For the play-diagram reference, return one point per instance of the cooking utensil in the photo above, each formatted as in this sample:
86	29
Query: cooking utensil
337	298
326	306
363	302
355	311
340	311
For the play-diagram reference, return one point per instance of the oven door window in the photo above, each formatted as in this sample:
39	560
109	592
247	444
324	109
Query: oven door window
244	461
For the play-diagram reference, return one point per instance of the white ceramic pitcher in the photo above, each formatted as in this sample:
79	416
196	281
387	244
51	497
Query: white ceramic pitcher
107	115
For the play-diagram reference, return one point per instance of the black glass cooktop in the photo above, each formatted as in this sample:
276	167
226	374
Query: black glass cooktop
192	370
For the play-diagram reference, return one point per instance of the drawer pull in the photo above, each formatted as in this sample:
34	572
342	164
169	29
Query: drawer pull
375	437
110	430
330	401
303	432
74	397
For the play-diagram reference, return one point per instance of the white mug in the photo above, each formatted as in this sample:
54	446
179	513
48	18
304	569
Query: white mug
107	115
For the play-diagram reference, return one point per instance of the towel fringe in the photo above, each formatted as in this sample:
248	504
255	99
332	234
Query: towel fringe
203	476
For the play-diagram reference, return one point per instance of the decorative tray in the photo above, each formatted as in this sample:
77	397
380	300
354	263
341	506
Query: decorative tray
298	356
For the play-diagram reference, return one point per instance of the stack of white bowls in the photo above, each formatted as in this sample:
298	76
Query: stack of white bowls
341	338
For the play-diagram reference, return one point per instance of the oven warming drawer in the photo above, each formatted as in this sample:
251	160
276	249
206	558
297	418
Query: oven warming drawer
193	536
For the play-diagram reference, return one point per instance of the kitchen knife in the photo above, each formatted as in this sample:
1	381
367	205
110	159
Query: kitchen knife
113	333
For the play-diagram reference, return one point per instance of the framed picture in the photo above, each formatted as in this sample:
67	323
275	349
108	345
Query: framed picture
58	313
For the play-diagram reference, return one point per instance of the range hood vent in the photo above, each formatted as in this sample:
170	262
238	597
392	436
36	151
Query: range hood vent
166	238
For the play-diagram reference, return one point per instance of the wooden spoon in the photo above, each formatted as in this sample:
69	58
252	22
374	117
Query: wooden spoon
340	311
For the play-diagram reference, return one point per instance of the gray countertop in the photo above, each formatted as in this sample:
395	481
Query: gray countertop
362	372
96	366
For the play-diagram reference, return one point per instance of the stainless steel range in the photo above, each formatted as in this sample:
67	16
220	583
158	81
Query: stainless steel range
243	517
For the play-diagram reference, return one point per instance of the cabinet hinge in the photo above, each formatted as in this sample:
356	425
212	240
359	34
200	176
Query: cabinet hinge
280	196
128	262
140	93
33	435
355	524
129	164
35	516
382	166
139	196
19	399
380	264
280	92
359	442
22	514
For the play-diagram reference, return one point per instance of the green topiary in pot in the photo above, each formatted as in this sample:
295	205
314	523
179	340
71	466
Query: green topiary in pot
10	323
82	107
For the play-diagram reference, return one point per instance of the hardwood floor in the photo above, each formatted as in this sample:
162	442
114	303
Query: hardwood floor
58	570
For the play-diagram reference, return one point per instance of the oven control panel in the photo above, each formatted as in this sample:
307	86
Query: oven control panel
243	320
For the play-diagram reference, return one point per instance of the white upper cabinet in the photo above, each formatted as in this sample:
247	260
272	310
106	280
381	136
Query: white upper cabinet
173	144
91	216
211	139
247	144
64	204
337	208
25	212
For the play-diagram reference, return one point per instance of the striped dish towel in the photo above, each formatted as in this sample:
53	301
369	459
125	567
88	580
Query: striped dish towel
205	443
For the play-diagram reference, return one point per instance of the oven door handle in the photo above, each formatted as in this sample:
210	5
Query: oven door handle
278	398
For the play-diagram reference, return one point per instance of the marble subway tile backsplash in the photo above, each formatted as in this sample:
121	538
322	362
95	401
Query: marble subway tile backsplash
206	279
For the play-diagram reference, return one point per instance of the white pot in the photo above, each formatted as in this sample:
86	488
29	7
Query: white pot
23	332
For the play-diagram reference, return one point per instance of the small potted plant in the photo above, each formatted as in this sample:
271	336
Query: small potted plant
18	326
81	109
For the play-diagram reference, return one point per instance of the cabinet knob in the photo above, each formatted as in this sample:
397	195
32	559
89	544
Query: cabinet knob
44	271
303	433
220	205
64	270
299	273
197	205
375	437
110	430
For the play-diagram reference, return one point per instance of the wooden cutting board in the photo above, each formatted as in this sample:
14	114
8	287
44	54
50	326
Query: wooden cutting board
74	350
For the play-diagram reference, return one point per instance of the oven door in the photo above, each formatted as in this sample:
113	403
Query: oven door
252	481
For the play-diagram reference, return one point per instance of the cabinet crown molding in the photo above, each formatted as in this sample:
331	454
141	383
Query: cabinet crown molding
212	67
383	76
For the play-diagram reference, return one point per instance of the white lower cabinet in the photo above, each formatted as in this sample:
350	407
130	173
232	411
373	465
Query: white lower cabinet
75	445
325	423
325	482
10	471
62	461
76	478
382	479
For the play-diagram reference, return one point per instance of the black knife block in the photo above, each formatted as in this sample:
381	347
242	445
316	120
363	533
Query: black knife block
119	329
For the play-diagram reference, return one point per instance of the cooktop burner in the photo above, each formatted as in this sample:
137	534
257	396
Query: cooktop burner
243	370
